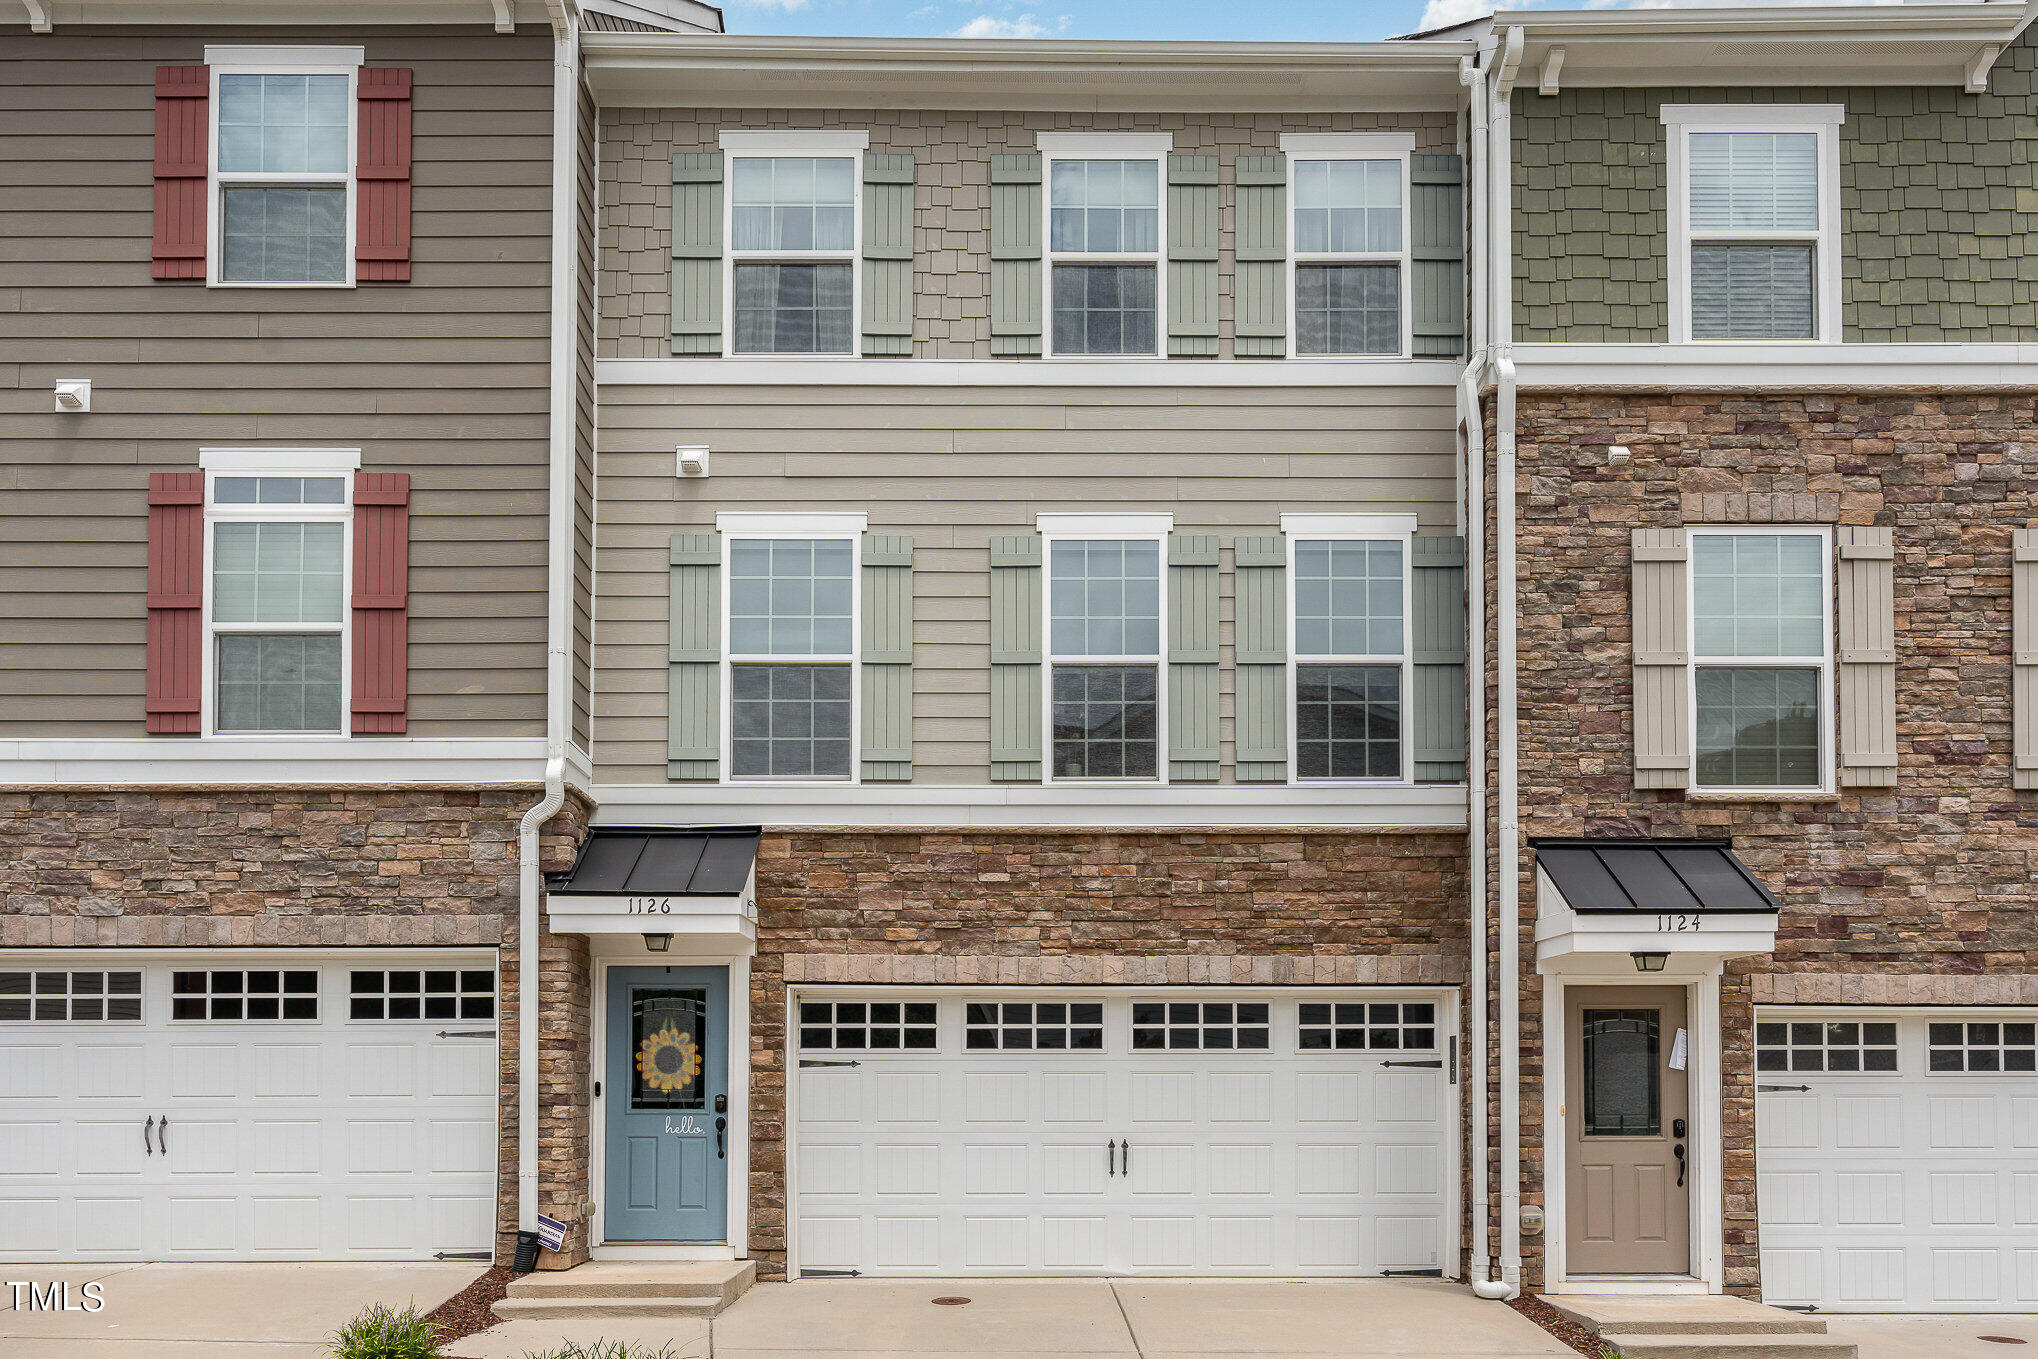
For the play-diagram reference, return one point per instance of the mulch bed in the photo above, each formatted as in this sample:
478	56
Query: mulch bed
468	1310
1580	1338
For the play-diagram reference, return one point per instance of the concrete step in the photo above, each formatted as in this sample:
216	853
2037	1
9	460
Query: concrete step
620	1289
583	1309
1717	1346
1680	1314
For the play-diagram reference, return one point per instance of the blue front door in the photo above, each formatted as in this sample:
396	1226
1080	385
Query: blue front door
667	1098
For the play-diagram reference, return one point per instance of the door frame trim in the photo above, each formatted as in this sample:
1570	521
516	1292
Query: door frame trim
1449	1001
1702	1017
628	951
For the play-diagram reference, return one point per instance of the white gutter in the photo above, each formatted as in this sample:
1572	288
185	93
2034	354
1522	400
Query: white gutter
559	528
1508	858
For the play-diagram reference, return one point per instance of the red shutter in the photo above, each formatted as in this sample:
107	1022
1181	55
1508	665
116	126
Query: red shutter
176	600
182	134
382	228
381	601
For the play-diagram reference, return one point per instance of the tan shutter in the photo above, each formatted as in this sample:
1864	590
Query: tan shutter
1660	564
2024	646
1867	715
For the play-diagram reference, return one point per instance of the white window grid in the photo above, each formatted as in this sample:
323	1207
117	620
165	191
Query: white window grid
257	995
1994	1046
1083	146
868	1026
1104	528
850	146
1033	1026
1395	147
1822	662
1825	1047
319	464
1301	529
1366	1026
266	62
407	993
738	527
1202	1026
56	996
1680	122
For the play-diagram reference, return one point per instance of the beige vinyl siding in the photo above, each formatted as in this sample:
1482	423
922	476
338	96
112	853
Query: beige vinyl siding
952	469
952	156
444	377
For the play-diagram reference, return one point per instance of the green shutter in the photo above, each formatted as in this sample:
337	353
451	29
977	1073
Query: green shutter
1436	204
697	252
1016	214
1192	658
1437	725
1260	231
1015	659
1261	656
1192	257
887	254
693	717
887	658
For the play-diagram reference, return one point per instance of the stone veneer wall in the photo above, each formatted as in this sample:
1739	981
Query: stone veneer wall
318	868
1267	907
1921	893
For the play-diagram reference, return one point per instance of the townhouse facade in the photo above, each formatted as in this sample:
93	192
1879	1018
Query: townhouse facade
1161	658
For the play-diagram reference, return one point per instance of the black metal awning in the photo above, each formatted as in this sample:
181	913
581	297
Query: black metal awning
1599	877
699	861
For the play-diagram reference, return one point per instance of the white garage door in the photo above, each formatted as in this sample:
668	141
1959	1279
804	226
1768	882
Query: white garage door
1192	1134
1897	1157
234	1108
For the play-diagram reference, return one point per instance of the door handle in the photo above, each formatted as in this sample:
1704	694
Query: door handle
148	1128
1125	1157
163	1135
721	1125
1679	1150
1111	1157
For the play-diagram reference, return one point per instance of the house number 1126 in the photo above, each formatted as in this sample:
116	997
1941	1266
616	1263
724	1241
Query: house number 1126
650	906
1676	924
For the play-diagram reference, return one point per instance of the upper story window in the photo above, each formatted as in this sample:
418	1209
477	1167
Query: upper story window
1349	235
1105	224
794	235
283	165
792	628
1754	221
1105	602
278	528
1350	676
1762	658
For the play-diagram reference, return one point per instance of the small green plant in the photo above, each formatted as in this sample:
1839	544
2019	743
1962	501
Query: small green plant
382	1332
607	1349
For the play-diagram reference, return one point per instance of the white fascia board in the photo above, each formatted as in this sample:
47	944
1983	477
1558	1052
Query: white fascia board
259	761
771	521
1331	525
282	58
1107	524
1347	143
1569	939
307	460
1061	805
1774	366
794	141
1105	143
1754	115
1153	373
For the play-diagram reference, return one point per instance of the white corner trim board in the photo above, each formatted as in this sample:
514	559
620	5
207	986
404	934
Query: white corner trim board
183	761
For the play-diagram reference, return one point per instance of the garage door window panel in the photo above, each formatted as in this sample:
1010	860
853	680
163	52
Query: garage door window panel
411	993
1822	1046
1033	1026
1363	1026
868	1026
1206	1026
61	997
256	995
1982	1046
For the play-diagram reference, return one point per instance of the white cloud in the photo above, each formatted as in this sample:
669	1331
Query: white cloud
1444	13
1024	26
787	5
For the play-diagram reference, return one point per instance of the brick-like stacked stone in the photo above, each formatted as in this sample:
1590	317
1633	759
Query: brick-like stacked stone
1913	894
1082	908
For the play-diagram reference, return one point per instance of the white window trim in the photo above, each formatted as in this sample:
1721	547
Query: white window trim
1394	146
1058	146
1824	120
221	61
850	146
1151	527
1297	529
279	462
1828	763
745	525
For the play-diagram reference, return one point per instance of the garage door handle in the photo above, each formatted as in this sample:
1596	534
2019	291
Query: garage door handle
1111	1157
1434	1064
163	1135
148	1128
1125	1157
1778	1089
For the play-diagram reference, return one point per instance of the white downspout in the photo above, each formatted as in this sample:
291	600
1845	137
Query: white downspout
1469	382
1508	858
559	531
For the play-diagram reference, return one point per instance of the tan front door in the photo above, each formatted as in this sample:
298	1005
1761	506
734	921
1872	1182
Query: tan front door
1627	1204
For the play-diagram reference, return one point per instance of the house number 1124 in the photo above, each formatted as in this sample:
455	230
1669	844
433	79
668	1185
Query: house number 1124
1676	924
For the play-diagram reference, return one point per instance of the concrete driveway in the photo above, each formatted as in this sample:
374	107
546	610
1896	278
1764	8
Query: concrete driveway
1073	1319
211	1311
1939	1337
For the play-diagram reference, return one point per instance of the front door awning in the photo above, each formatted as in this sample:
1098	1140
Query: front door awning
692	881
1690	899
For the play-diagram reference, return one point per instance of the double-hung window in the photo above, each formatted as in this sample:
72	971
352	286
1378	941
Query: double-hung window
1106	219
283	165
1762	658
278	527
794	233
1754	219
792	627
1350	674
1349	230
1106	597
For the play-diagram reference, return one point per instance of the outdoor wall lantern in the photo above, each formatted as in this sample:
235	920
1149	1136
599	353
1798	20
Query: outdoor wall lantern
1648	962
659	943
